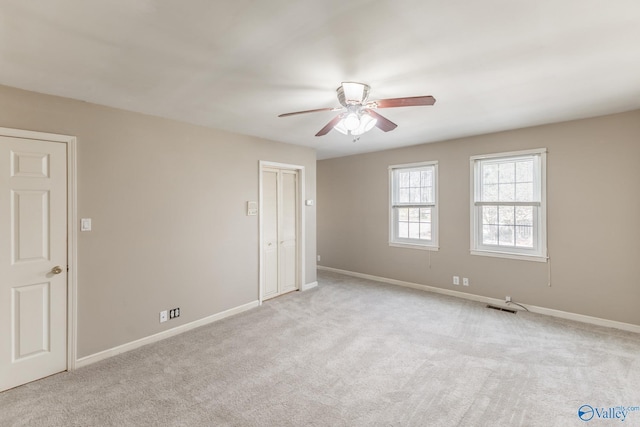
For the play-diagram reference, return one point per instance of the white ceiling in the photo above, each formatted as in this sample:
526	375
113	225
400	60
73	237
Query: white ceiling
492	64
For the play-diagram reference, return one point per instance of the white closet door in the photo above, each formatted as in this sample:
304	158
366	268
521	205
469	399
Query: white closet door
280	231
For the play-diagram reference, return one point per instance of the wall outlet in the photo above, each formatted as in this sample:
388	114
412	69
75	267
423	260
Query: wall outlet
465	281
456	280
318	258
174	312
507	299
163	316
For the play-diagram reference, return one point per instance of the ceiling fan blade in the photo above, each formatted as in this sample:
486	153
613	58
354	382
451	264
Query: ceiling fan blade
325	130
308	111
383	123
412	101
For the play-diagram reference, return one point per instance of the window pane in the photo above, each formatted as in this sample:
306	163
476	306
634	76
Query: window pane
425	231
489	235
506	192
524	215
404	195
506	236
524	237
427	195
414	214
425	215
403	214
524	171
414	230
414	179
403	179
414	195
490	173
507	172
524	192
427	178
424	196
403	230
506	215
490	215
489	193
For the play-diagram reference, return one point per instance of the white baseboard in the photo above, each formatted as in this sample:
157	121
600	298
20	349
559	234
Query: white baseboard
308	286
96	357
532	308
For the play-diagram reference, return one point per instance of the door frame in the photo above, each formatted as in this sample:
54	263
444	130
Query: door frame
72	235
300	232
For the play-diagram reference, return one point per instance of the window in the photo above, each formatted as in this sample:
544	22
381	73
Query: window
414	205
508	206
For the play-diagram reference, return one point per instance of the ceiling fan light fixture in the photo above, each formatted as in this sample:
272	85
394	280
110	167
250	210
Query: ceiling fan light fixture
366	123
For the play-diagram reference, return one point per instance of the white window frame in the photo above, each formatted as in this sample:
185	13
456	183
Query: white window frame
539	251
394	240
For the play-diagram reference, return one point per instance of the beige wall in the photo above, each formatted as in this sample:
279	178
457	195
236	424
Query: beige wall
168	204
593	175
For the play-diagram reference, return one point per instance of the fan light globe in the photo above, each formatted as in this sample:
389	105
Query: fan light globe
341	128
351	122
366	124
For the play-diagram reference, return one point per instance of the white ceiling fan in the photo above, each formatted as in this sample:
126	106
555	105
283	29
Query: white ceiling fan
358	115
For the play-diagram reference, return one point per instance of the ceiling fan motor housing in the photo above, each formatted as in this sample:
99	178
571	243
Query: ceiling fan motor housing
352	93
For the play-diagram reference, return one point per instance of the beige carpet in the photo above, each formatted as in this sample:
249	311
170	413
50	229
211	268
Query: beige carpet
352	353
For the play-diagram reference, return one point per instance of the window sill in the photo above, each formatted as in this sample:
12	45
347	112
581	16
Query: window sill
414	246
521	257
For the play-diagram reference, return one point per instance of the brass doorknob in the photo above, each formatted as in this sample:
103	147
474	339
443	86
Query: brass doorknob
56	270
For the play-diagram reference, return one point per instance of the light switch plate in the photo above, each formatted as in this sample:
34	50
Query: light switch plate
85	224
252	208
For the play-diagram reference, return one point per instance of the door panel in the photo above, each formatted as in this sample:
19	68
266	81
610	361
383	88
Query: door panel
288	233
270	232
31	320
33	234
30	226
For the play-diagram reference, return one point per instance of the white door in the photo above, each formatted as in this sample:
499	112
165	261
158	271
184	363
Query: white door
33	260
280	231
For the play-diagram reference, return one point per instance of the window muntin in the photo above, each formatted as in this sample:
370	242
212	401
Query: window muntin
413	205
508	206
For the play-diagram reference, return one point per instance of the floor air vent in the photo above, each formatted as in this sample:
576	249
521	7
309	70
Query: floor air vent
508	310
